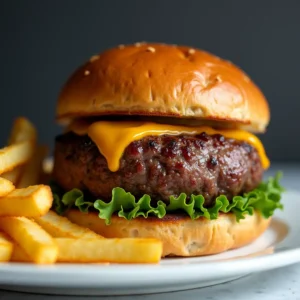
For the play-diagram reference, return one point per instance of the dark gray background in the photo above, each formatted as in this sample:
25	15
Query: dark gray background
42	42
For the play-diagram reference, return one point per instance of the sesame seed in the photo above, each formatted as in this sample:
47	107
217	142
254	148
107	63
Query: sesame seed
138	44
121	46
246	78
86	72
218	78
191	51
94	57
151	49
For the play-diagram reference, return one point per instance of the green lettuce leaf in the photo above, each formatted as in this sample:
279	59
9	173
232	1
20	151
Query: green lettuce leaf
265	199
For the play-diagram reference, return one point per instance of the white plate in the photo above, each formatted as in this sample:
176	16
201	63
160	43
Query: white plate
278	246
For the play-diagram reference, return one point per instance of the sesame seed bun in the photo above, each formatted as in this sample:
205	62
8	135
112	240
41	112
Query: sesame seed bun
180	235
163	81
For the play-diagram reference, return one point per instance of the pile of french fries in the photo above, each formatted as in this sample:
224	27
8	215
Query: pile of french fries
31	233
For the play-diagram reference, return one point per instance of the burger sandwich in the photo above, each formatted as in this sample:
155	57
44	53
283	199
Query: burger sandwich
160	141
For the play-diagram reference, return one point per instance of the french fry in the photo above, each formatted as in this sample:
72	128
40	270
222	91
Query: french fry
19	255
6	187
15	155
13	175
6	247
22	131
126	250
58	226
36	242
33	201
32	170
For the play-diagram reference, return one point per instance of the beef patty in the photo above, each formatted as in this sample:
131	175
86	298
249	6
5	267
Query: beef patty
160	166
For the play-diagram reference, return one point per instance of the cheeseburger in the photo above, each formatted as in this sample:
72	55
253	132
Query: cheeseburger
160	141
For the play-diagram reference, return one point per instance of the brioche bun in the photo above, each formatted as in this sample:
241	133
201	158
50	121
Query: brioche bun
180	235
163	84
165	81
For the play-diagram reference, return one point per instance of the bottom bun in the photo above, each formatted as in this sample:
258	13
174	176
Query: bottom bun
180	235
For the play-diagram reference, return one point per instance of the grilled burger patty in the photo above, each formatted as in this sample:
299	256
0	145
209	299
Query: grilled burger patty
160	166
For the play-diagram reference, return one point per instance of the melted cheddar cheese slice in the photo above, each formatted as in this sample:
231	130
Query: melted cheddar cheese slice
112	138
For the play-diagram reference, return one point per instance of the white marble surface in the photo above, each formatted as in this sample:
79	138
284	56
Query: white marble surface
283	283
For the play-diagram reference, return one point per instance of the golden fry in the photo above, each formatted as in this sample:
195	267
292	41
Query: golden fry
13	175
126	250
33	201
32	170
6	247
22	130
5	187
36	242
59	226
19	255
15	155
